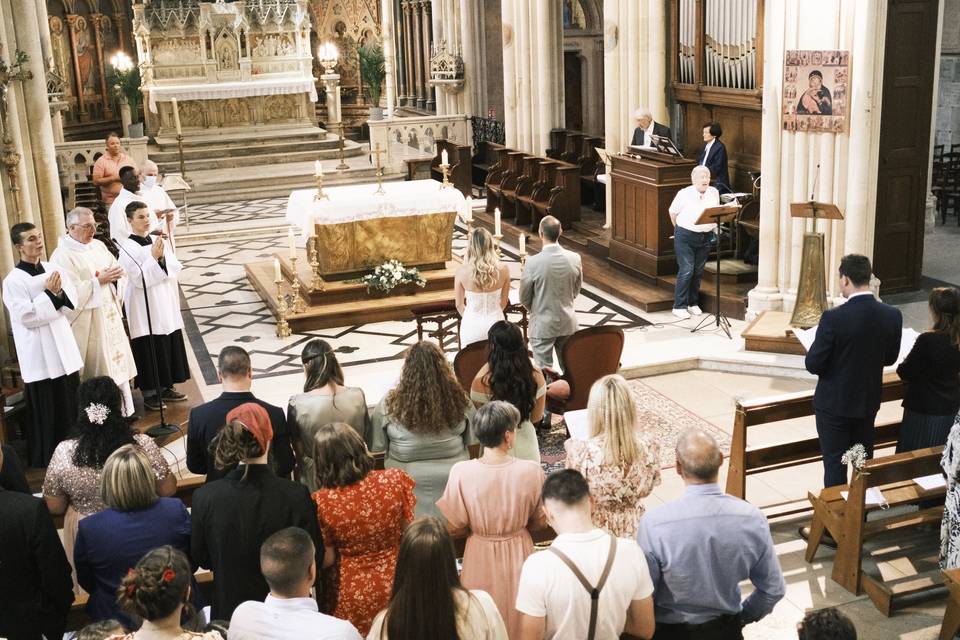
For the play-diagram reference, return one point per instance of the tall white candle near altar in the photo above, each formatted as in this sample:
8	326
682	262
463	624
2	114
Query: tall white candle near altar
496	221
277	277
176	115
444	157
292	242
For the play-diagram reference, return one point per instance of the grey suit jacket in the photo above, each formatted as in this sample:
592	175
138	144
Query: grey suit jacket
550	283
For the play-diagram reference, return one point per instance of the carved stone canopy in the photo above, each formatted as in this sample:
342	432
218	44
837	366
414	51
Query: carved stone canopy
445	65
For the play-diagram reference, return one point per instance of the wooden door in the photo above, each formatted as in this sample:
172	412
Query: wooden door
904	143
573	90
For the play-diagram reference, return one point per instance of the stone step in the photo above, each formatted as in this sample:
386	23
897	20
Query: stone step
171	164
278	148
227	137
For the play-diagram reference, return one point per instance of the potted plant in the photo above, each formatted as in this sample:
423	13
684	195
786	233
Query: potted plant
126	86
372	74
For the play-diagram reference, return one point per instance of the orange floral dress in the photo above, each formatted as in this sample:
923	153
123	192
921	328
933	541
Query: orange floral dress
363	522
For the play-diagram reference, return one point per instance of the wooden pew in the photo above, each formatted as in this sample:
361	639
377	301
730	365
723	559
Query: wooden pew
563	198
536	188
484	158
515	204
496	176
951	617
508	188
558	143
846	520
573	147
756	413
590	166
459	156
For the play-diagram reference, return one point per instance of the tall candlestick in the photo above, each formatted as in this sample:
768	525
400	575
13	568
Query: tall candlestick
176	115
523	244
292	242
277	277
317	168
496	221
444	157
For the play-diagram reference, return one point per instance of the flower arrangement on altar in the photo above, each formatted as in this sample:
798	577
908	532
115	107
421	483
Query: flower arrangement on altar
392	274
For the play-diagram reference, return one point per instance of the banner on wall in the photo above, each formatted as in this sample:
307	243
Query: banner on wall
815	90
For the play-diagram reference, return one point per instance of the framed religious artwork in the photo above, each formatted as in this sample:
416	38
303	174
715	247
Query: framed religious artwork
816	88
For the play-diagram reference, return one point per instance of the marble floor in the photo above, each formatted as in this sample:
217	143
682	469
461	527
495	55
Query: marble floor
704	372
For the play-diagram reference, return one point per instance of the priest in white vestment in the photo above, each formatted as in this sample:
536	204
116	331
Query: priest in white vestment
152	268
96	318
116	216
39	295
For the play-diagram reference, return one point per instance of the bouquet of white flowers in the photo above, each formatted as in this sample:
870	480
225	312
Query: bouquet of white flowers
391	274
855	455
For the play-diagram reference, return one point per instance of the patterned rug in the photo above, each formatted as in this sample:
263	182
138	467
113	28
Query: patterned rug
656	413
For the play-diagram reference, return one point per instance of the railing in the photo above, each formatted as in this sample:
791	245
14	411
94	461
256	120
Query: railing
487	130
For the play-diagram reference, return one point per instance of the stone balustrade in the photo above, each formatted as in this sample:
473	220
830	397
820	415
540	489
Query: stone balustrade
415	137
75	159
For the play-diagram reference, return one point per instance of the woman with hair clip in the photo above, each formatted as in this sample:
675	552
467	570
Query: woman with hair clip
324	400
932	373
71	486
423	424
362	513
157	591
234	515
482	288
509	375
428	601
620	461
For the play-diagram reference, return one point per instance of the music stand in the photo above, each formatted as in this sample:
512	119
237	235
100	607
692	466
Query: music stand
664	144
717	215
811	298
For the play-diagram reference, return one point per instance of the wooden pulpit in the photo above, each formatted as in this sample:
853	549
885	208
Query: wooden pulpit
642	189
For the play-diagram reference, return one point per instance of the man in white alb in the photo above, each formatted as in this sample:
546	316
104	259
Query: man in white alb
39	297
117	216
157	198
691	241
96	317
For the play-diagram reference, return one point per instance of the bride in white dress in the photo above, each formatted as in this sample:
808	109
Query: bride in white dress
482	288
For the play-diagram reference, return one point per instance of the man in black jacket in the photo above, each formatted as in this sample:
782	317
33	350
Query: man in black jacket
206	420
645	127
36	589
854	342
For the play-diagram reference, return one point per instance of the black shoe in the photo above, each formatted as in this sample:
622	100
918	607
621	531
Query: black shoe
544	424
172	395
153	403
826	540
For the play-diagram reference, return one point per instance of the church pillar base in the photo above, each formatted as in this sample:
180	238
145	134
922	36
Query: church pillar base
760	299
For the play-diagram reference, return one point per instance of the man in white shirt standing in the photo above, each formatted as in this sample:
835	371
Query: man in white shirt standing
691	241
288	563
554	596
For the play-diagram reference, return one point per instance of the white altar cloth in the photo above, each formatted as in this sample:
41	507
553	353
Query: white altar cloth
358	202
223	90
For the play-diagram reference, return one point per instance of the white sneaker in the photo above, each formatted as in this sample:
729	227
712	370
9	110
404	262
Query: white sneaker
682	314
695	310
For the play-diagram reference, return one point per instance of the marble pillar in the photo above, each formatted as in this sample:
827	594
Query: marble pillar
532	73
331	87
389	54
425	29
418	79
409	58
843	166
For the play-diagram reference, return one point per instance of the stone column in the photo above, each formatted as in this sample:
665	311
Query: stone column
425	28
389	55
847	161
415	19
39	126
471	44
410	98
331	86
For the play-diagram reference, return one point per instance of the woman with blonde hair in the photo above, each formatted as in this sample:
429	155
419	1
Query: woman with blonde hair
423	424
620	462
482	288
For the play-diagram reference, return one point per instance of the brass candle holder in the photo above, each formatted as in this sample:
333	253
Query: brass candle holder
376	153
183	169
299	306
445	170
343	166
317	283
496	242
320	195
523	261
283	327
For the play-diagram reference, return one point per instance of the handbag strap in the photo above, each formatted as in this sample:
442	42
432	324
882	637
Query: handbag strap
594	591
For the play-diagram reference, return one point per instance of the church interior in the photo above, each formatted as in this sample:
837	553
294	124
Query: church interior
327	164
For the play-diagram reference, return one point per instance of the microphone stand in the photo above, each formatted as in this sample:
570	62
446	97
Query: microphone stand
162	429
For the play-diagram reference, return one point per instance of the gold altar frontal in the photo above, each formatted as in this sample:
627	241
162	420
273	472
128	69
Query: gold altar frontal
350	249
343	303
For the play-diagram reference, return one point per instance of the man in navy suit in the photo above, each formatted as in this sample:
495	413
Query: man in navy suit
646	127
713	156
854	342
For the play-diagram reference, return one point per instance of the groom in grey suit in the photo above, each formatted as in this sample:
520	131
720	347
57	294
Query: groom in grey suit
550	283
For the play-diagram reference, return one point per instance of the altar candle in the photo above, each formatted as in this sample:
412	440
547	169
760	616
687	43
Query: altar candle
311	225
523	244
318	169
444	157
176	115
276	270
496	221
293	245
468	213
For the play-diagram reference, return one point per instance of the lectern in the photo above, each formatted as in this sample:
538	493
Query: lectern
812	290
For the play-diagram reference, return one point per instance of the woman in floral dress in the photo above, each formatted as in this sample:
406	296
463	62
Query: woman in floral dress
362	514
950	528
620	462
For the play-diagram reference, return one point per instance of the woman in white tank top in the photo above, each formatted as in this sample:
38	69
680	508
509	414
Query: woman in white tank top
482	288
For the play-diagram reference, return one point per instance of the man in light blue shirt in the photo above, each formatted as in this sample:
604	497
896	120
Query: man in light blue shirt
701	546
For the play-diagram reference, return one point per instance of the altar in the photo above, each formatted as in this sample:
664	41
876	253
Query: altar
357	229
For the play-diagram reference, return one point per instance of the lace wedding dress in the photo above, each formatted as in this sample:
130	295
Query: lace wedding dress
482	310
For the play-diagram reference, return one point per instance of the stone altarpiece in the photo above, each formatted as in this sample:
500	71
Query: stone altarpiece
348	24
228	64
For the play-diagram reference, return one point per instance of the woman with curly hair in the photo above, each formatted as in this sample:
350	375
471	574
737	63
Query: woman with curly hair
509	375
157	591
423	424
482	288
324	400
72	484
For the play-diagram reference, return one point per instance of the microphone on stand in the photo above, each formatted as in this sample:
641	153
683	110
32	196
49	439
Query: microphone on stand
162	429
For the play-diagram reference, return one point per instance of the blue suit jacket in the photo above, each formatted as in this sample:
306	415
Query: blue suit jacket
717	163
855	341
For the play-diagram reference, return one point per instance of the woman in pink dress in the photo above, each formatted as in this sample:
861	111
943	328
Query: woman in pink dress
496	500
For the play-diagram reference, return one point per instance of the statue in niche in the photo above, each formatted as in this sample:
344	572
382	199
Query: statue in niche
226	50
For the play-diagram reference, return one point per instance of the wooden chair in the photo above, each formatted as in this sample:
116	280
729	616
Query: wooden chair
588	355
514	205
444	315
951	617
558	143
846	519
468	361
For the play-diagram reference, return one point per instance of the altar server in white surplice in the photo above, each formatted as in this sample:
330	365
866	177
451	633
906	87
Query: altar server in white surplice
39	296
116	216
96	318
160	268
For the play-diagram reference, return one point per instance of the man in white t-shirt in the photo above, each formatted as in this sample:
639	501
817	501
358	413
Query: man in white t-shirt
554	602
691	241
289	566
